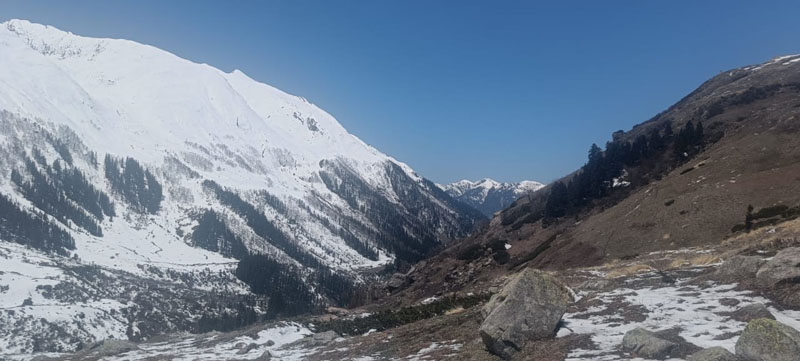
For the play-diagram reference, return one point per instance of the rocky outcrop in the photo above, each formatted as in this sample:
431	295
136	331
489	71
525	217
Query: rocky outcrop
752	312
713	354
739	267
323	338
784	267
528	307
647	344
107	348
768	340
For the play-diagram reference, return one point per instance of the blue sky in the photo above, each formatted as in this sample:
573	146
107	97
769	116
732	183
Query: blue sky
510	90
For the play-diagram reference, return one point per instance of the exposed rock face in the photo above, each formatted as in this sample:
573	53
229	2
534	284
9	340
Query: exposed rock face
396	281
528	307
784	267
266	356
752	312
246	349
739	267
647	344
323	338
109	348
713	354
768	340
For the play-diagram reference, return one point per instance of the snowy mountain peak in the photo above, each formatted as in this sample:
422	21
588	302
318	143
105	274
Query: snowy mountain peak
488	195
140	163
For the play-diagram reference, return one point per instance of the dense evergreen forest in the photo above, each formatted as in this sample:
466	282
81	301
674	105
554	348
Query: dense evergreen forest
647	157
32	228
64	193
213	234
134	183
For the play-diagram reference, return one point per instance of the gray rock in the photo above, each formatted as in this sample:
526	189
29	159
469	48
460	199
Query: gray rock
528	307
109	348
396	281
713	354
768	340
740	267
270	343
784	267
595	285
323	338
266	356
43	358
647	344
247	349
752	312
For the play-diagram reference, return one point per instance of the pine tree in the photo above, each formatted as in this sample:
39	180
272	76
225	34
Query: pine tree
557	201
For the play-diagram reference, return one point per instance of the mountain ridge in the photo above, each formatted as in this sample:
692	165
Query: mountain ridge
165	176
488	195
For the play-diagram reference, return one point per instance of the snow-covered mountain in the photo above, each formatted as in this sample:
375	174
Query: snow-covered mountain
488	195
119	160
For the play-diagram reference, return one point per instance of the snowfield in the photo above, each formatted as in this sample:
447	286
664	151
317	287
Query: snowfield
698	311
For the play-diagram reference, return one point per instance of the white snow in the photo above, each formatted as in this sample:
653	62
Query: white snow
696	309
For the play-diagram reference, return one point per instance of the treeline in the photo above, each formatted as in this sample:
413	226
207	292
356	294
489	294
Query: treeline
288	294
260	224
64	194
392	224
134	183
595	179
32	229
214	235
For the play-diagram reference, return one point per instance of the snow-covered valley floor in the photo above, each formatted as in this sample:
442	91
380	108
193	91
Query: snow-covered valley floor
697	311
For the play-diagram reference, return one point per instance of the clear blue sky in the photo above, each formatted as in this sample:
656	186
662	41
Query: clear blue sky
459	89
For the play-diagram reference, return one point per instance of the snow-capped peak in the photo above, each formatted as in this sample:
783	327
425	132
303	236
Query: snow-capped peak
489	195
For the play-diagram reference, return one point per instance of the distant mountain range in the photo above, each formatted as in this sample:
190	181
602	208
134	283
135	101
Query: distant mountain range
488	195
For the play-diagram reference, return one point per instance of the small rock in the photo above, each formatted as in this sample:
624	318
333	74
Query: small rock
647	344
247	349
739	267
713	354
239	345
784	267
595	285
768	340
752	312
528	307
266	356
270	343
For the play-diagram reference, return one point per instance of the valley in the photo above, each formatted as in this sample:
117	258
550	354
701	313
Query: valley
154	208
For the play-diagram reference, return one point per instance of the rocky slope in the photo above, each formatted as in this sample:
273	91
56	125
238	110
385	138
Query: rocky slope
749	154
488	195
676	305
135	180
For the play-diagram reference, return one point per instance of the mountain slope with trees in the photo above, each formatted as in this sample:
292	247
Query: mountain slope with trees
690	176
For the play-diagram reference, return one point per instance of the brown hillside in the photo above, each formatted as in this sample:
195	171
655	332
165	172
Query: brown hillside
752	119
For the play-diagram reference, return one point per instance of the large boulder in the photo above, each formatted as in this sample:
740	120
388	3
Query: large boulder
647	344
752	312
713	354
739	267
784	267
768	340
528	307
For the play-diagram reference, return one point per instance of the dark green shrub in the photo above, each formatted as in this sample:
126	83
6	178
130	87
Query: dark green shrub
471	253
